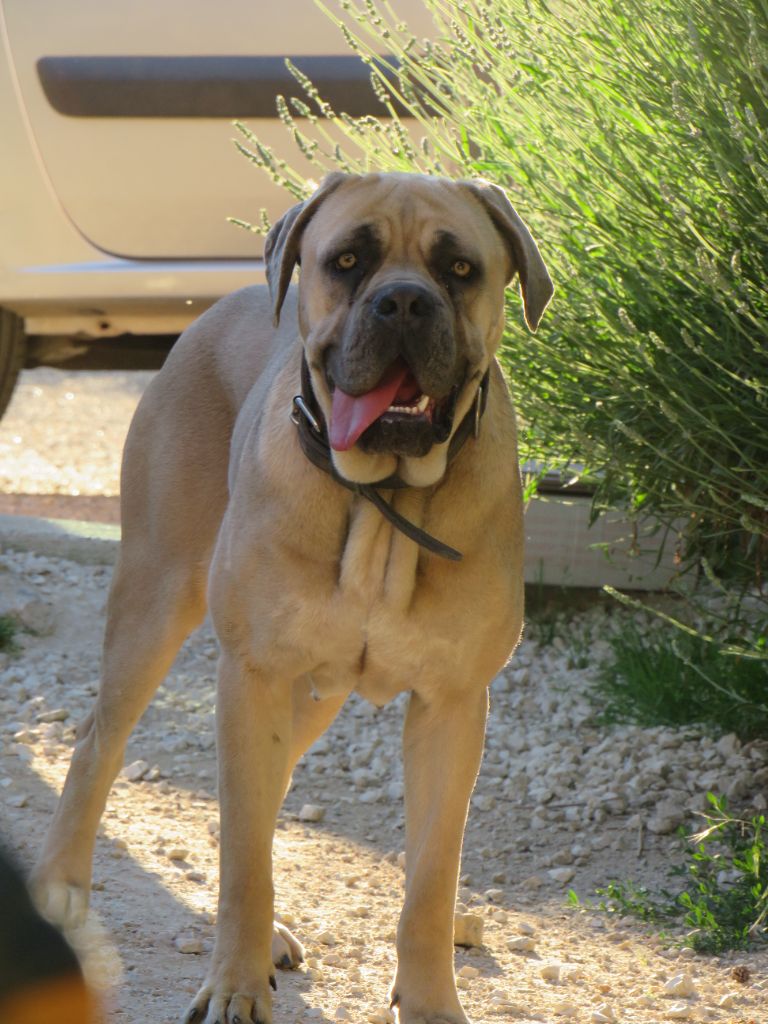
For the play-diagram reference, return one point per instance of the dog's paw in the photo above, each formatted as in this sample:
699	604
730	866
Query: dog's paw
220	1002
440	1018
287	951
409	1012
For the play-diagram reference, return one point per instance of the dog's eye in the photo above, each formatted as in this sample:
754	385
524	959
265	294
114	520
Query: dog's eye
346	261
461	268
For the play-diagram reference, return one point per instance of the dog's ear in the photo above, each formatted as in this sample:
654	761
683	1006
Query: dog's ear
281	249
535	282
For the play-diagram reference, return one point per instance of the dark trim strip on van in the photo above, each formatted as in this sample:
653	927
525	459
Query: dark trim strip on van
231	87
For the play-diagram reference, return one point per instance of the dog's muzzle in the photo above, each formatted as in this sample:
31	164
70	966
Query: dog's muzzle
395	374
308	418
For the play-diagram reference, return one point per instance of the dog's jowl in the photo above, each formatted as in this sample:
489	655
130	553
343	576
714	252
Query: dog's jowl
331	470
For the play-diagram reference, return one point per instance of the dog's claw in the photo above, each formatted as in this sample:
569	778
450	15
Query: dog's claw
273	982
285	962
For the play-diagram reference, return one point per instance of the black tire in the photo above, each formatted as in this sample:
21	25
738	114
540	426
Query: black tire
13	346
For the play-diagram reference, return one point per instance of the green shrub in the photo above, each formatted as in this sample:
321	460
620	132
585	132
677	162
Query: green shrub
665	677
633	137
724	899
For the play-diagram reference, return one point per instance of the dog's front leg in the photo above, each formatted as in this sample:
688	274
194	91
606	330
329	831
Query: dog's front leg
253	722
442	745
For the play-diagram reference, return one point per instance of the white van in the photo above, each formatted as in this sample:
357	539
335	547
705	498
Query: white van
117	169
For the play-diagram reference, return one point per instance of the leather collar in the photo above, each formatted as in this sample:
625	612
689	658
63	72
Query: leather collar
313	437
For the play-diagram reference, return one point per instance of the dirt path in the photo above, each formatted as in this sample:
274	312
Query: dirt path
556	807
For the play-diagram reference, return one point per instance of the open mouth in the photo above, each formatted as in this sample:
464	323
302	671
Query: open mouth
409	400
395	416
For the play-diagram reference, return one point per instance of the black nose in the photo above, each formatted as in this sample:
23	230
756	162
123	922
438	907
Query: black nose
407	304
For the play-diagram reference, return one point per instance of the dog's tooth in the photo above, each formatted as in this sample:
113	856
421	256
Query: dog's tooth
423	403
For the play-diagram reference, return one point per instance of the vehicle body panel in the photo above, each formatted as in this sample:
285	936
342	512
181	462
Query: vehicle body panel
114	222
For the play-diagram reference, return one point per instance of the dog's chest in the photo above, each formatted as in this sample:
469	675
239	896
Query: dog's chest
379	637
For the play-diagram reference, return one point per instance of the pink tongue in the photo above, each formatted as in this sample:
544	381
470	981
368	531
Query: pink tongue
350	416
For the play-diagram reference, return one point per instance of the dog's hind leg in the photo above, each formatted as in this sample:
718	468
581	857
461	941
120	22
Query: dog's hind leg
173	498
143	636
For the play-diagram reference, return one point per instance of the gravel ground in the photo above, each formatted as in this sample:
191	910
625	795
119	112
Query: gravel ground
561	802
61	441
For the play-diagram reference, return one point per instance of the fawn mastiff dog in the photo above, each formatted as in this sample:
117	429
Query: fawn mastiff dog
332	470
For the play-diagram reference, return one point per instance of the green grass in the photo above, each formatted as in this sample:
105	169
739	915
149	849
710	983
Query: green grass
723	903
664	677
8	631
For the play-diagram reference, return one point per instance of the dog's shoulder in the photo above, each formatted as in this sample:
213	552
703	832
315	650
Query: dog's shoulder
248	311
235	342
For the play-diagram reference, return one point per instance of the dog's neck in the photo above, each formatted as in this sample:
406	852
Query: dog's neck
313	437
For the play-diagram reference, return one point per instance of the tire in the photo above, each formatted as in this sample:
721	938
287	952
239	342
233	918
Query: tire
13	346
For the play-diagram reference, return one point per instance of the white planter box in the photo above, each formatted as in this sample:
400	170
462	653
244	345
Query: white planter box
562	549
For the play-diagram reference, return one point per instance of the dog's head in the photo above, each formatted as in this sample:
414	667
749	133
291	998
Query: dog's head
401	307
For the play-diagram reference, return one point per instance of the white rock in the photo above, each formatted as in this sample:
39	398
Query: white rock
57	715
484	802
561	875
178	853
468	972
522	944
668	816
135	771
532	883
342	1013
188	942
565	1009
740	785
728	745
678	1011
526	928
550	971
370	796
327	938
311	812
681	986
603	1014
381	1017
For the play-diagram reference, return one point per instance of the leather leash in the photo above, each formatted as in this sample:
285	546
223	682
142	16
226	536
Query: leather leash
313	438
